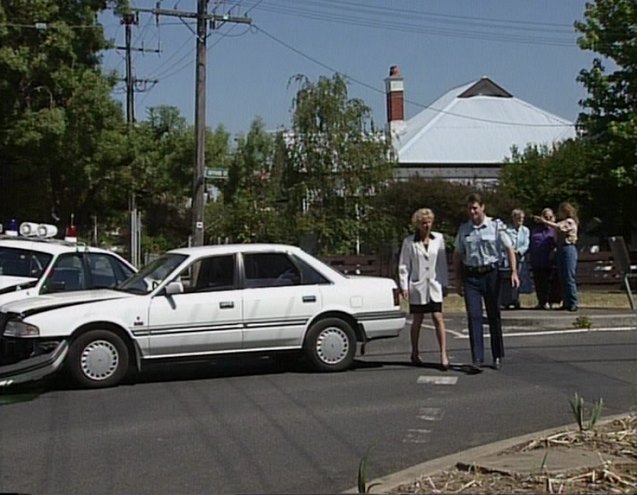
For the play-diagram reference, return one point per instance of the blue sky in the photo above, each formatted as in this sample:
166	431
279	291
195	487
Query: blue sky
526	46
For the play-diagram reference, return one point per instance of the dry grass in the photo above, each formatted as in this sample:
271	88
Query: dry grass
618	438
588	299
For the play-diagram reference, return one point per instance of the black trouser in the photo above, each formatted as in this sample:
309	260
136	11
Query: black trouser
479	287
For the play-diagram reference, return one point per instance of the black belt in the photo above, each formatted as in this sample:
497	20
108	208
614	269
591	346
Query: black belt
479	270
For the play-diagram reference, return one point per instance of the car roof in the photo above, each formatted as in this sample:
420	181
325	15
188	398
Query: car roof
49	246
234	248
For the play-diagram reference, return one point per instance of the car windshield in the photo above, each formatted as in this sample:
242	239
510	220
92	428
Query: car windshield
23	262
153	274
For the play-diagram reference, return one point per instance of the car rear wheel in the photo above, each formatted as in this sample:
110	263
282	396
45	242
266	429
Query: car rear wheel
330	345
98	358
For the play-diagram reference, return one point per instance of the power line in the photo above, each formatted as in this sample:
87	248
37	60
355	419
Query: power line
378	90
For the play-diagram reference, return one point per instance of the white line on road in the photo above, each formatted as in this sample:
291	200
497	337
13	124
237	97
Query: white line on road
438	380
549	332
430	413
416	436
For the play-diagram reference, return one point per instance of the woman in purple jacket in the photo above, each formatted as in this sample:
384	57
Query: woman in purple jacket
543	262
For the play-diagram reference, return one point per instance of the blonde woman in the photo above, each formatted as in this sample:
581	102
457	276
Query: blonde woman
423	278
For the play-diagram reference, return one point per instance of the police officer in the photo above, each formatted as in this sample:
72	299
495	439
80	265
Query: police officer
475	261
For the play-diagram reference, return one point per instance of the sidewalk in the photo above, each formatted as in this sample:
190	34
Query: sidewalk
501	458
533	320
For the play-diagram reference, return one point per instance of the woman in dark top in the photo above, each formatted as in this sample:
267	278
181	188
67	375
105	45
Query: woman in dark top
542	258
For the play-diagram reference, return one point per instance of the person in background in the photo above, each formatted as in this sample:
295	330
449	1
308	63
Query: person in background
479	245
542	254
423	279
566	227
520	238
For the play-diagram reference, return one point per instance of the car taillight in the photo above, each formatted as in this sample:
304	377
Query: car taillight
396	292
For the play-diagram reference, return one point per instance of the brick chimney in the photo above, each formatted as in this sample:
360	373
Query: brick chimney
395	90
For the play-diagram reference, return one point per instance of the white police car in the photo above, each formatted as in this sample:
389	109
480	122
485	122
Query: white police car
196	302
33	263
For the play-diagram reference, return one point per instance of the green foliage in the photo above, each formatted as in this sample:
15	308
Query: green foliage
579	412
609	120
582	322
543	177
336	163
362	485
57	117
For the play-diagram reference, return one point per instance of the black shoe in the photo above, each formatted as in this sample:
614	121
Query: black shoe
497	364
516	305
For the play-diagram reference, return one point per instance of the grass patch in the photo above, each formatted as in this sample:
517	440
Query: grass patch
587	299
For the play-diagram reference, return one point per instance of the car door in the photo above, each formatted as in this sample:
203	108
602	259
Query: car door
278	301
205	317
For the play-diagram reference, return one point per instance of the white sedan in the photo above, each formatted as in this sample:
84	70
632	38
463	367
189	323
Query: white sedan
195	302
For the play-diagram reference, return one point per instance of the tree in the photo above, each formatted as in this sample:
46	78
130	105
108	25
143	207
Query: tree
248	212
336	163
59	127
609	121
543	176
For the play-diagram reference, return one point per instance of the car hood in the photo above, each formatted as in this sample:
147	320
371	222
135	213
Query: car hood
9	281
61	299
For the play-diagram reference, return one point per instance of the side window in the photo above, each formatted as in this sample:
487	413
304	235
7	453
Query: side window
309	274
67	274
103	271
215	273
270	270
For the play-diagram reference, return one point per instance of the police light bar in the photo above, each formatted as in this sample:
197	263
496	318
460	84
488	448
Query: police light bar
46	230
12	228
30	229
71	234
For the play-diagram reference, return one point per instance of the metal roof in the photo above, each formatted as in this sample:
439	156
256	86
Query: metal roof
477	123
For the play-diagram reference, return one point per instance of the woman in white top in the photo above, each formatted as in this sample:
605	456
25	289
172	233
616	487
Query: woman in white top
423	279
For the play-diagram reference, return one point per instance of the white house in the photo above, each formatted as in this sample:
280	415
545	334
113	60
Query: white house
466	134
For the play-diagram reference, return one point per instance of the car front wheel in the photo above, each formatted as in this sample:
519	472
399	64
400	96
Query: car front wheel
98	358
330	345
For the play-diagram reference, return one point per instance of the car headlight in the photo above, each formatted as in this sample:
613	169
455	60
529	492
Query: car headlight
17	328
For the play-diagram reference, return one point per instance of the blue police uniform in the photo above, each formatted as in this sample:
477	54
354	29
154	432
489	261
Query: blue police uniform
480	248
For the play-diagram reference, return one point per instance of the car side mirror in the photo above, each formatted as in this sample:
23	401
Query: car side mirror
174	287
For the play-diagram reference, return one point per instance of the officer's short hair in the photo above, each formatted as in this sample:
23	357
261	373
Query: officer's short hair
475	198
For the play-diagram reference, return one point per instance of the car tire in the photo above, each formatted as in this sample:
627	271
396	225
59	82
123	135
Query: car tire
97	359
330	345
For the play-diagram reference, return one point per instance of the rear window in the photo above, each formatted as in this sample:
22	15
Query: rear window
23	262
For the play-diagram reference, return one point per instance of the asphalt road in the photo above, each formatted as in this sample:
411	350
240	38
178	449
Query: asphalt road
244	426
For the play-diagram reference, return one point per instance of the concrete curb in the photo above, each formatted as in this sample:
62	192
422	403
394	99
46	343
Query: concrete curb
392	481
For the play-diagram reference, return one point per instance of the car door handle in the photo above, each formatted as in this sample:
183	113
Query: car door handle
309	299
226	305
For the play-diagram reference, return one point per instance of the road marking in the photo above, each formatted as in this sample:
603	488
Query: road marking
438	380
430	414
551	332
416	435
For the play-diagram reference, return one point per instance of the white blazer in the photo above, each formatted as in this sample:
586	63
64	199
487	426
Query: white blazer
423	272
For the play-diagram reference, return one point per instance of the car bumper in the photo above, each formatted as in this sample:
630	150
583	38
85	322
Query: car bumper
382	324
33	368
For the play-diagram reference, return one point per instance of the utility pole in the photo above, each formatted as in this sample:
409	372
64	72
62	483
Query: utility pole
135	221
216	20
198	190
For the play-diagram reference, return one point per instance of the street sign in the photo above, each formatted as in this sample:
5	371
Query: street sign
216	173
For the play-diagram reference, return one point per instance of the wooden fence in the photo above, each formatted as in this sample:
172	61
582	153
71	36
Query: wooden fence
593	270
